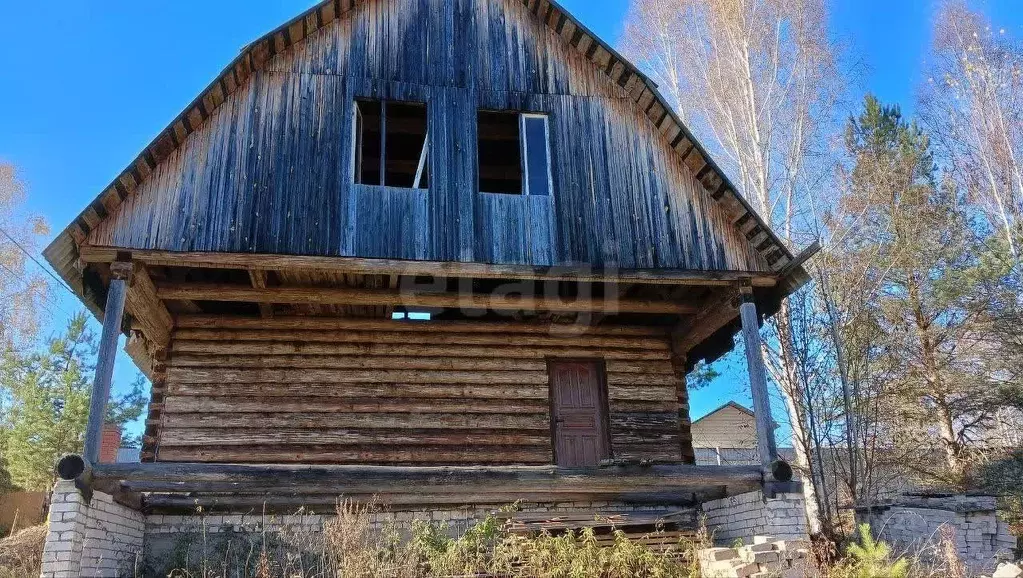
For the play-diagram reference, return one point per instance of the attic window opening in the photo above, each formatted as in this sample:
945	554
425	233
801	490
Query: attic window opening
391	144
513	153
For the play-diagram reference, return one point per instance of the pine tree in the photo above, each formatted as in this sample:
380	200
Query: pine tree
913	225
45	404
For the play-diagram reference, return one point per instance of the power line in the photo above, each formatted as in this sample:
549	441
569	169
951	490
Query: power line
46	296
36	261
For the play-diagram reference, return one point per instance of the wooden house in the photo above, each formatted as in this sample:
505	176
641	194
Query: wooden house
437	251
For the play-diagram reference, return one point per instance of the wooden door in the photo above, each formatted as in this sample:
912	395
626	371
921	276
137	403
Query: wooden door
578	412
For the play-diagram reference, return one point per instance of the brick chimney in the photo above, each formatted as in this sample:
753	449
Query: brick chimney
110	442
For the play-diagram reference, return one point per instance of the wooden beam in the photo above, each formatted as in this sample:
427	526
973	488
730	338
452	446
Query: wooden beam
413	326
356	265
121	272
716	312
454	481
258	279
149	314
384	297
766	446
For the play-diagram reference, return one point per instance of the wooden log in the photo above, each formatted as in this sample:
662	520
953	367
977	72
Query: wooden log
220	437
368	362
258	279
716	312
418	339
431	455
327	503
176	404
311	478
149	313
182	375
767	448
389	390
364	266
536	422
386	297
121	272
200	404
566	330
502	351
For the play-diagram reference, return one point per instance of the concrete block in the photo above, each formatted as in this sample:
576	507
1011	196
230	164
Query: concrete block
716	554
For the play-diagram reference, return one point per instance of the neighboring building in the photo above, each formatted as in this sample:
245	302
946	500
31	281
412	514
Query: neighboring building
728	436
490	162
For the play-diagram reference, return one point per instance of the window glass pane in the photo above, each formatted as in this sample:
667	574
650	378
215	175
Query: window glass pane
537	161
498	150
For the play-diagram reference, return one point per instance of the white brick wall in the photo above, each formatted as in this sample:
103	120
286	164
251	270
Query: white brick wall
101	538
746	515
456	519
980	537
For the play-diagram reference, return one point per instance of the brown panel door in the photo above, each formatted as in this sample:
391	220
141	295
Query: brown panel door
578	412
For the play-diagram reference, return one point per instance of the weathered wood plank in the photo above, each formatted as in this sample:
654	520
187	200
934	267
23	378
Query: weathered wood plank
383	349
188	405
277	454
385	297
398	477
204	437
383	337
147	311
410	362
362	266
446	326
226	377
271	419
394	390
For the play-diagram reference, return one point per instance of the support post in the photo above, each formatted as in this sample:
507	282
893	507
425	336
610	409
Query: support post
121	275
766	447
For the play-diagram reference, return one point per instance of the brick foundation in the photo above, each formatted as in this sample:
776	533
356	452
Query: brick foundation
103	538
98	538
751	514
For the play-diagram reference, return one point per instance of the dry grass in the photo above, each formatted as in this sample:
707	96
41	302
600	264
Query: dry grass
351	547
21	555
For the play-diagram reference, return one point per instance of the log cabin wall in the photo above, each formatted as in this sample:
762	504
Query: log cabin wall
419	393
270	171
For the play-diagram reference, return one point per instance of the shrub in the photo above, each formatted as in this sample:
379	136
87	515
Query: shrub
871	559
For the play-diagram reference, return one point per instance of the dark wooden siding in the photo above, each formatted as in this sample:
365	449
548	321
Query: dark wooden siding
270	172
390	392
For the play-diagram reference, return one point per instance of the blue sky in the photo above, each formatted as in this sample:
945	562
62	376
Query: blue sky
85	85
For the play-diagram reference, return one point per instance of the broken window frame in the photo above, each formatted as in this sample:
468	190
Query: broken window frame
358	124
524	146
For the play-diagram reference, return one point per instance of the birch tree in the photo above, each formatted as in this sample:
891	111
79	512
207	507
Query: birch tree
973	107
23	290
760	79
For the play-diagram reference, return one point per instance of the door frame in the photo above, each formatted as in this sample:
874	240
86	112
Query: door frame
605	411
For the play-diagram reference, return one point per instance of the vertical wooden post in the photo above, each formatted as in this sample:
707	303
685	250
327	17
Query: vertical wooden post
121	273
685	434
766	447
